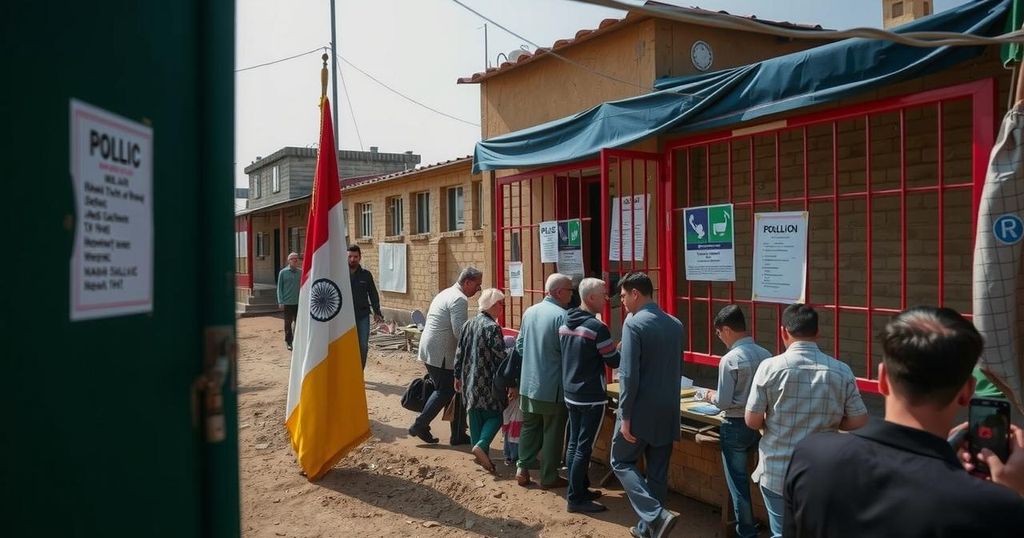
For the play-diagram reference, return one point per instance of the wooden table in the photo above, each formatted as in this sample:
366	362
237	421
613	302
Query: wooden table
686	405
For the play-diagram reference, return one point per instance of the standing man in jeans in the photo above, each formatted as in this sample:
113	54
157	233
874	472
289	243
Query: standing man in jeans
735	374
648	421
288	281
587	347
364	298
438	343
800	392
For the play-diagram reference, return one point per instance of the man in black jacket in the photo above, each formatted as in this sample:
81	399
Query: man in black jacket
587	346
364	297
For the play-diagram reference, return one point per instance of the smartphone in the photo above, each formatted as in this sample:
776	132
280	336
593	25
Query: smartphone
989	427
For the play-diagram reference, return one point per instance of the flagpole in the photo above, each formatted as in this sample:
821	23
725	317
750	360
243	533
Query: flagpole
334	75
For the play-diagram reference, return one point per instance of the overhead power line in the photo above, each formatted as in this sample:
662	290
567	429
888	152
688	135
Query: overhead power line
550	51
281	60
404	96
733	22
348	97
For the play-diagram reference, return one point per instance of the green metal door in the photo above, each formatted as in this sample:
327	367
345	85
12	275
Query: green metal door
102	436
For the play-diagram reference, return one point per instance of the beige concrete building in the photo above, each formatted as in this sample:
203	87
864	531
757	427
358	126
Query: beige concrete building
439	213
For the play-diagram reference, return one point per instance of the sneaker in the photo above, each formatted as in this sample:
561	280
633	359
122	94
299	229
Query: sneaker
666	520
592	495
424	435
635	532
588	507
289	346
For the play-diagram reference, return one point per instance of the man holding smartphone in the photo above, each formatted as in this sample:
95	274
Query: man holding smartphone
899	477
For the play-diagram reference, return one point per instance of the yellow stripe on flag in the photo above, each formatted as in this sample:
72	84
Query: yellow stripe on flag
331	409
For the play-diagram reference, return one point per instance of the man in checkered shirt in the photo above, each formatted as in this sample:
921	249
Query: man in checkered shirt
793	395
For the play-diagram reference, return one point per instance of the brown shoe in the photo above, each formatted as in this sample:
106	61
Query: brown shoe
558	483
523	477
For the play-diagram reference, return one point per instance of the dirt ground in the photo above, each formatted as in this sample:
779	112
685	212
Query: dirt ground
393	485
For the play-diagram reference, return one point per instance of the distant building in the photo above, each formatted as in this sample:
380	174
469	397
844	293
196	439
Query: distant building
897	12
273	222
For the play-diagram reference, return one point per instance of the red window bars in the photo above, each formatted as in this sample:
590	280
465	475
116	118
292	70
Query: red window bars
892	188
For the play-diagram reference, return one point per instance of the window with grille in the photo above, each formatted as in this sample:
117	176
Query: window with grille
242	252
455	209
478	205
365	220
396	214
297	240
275	180
897	9
256	191
261	244
422	212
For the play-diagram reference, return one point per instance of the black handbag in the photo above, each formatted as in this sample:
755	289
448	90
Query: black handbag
417	394
507	376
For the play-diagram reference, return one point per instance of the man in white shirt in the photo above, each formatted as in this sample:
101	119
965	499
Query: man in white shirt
447	314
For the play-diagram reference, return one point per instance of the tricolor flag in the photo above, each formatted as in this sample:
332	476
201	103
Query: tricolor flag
326	415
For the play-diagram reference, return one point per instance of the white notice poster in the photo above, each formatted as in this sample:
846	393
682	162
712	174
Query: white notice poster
549	241
515	279
780	257
392	267
623	240
112	182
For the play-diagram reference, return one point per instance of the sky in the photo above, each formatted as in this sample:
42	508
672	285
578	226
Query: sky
420	48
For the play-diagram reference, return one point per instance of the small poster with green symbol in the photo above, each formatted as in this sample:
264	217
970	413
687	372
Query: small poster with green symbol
710	243
570	248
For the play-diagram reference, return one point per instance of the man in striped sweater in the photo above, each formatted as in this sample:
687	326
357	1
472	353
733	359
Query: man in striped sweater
587	347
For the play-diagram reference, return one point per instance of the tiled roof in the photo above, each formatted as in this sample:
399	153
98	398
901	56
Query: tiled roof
610	25
351	183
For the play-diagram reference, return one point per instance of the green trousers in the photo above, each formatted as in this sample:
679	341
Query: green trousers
543	434
483	426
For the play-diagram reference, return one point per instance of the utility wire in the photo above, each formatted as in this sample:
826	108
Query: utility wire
406	97
351	112
281	60
733	22
552	52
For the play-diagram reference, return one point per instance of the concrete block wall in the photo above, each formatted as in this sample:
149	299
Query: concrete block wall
434	259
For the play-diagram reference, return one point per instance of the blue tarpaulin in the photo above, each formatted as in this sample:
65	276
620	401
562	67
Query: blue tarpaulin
688	104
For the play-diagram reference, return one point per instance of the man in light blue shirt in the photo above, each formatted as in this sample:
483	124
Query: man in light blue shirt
735	374
288	282
540	385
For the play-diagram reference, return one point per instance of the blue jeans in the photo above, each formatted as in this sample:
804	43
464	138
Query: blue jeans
584	423
776	508
737	441
645	493
363	330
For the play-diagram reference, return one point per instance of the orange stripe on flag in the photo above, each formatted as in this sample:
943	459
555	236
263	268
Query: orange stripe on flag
332	409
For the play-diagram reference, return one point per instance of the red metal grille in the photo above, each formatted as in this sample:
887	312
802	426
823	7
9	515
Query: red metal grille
892	188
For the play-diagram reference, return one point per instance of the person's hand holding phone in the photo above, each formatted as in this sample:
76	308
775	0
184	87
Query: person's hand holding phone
1011	472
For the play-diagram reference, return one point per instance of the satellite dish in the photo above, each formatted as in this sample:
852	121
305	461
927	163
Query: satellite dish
419	319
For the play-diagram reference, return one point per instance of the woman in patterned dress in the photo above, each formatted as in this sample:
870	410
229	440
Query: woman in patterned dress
480	352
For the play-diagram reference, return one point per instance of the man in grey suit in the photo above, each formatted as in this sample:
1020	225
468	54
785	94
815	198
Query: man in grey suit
648	414
447	314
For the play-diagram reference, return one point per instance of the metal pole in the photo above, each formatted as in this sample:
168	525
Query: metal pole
334	76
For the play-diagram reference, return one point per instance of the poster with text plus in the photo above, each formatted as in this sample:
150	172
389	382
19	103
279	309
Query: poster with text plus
548	241
780	257
112	184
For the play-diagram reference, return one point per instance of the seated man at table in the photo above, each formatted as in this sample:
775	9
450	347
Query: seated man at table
648	416
587	347
735	373
800	392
